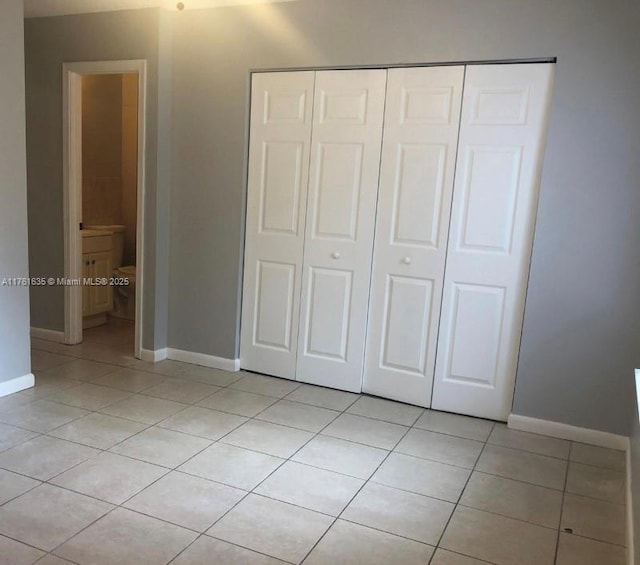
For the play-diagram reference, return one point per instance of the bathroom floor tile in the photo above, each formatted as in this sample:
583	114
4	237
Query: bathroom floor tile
144	409
271	439
80	370
129	380
98	430
455	425
238	402
596	482
440	447
210	376
43	360
11	436
181	390
386	410
366	431
576	550
41	416
269	386
323	397
13	485
16	553
203	422
515	439
206	550
598	456
89	396
595	519
297	415
444	557
272	527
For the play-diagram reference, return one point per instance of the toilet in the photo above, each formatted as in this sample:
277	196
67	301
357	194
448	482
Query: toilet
124	295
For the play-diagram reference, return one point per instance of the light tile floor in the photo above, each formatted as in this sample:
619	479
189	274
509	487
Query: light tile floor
113	460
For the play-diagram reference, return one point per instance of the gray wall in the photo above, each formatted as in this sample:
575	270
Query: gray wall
634	454
580	334
14	301
48	43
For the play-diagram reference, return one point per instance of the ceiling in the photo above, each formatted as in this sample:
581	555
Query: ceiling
39	8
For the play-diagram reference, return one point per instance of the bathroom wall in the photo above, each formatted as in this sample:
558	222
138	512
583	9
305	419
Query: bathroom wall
129	168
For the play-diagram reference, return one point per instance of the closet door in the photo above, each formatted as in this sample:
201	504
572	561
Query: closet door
345	158
504	116
281	115
416	183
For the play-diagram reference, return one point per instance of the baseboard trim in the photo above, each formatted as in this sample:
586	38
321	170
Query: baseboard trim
566	431
630	540
17	384
47	335
153	355
204	360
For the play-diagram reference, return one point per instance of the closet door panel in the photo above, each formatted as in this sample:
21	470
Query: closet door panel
417	169
343	185
280	140
500	154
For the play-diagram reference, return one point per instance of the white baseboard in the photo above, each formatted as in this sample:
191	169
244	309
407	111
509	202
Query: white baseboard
630	541
17	384
153	355
204	360
47	335
566	431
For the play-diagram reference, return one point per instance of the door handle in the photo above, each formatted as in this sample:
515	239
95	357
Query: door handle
335	255
406	260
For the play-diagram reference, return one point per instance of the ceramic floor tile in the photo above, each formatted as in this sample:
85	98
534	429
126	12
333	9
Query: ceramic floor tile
185	500
98	430
43	360
399	512
422	476
498	539
16	553
271	439
11	436
366	431
387	410
14	400
272	527
542	445
13	485
206	550
341	456
42	415
576	550
440	447
124	536
231	465
455	425
208	375
513	499
323	397
89	396
47	515
598	456
81	370
161	447
129	380
238	402
44	457
444	557
144	409
51	559
182	390
595	519
203	422
297	415
269	386
596	482
352	544
316	489
110	477
46	386
523	466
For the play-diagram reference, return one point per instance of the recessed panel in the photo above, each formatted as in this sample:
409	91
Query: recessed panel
328	318
501	106
285	106
280	187
490	193
406	323
418	194
343	106
475	333
338	179
426	105
274	303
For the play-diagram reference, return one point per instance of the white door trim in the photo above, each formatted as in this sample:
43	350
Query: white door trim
72	187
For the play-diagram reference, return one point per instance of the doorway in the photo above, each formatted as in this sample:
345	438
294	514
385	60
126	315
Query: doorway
103	152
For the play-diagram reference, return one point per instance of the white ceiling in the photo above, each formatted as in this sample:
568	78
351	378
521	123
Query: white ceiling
39	8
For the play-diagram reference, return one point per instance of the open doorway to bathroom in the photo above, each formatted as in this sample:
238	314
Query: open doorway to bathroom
104	186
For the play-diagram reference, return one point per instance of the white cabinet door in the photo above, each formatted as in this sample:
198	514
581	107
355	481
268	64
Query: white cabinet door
343	185
421	123
101	294
504	116
280	136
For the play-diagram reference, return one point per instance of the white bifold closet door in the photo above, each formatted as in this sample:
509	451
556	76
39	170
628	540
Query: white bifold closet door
280	141
502	132
341	209
421	123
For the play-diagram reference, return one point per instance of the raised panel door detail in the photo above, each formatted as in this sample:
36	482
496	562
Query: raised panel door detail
475	333
426	105
500	106
274	301
418	194
490	193
343	106
284	106
101	294
281	178
339	177
406	328
328	316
